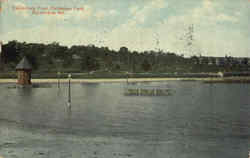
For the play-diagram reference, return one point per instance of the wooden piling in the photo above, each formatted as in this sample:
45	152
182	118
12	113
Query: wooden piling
69	91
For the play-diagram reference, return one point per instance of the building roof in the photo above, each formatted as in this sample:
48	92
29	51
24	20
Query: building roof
24	65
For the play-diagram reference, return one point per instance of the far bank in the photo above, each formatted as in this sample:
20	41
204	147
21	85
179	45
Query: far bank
117	80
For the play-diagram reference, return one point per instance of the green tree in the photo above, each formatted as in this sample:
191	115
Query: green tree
146	66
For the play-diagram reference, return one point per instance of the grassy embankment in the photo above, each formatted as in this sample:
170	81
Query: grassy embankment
133	77
110	75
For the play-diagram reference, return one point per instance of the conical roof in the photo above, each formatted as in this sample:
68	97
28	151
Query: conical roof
24	64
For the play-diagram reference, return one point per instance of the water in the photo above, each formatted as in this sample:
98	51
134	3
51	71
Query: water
198	120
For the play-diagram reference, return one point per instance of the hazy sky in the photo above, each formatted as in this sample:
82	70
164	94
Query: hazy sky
220	26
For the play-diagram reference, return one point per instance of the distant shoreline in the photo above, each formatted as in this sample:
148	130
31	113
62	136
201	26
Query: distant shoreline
119	80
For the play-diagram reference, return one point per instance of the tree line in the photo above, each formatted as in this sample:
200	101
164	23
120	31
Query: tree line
54	57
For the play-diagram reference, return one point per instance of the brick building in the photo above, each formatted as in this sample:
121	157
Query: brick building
24	72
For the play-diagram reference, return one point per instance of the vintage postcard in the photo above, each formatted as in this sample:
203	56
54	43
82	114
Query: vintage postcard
124	78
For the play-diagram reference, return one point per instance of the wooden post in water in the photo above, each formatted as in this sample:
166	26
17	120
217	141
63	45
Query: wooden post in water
58	79
69	92
139	89
127	77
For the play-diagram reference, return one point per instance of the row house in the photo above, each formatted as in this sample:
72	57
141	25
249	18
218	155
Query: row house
221	61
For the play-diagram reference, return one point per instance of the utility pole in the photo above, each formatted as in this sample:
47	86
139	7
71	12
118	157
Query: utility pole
188	38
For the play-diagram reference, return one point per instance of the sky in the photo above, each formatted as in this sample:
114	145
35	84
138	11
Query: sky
220	27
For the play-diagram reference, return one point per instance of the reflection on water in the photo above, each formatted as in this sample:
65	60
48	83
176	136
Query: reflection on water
68	120
24	92
204	120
